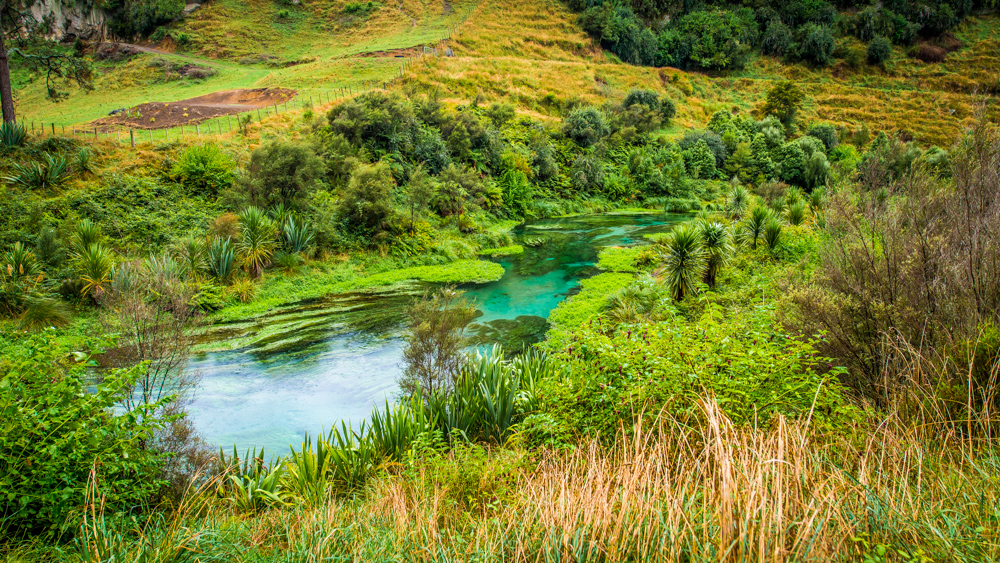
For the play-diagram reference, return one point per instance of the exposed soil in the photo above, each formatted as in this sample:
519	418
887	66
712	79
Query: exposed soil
163	115
397	53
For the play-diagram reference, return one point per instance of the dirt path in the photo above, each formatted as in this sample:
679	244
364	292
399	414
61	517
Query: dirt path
164	115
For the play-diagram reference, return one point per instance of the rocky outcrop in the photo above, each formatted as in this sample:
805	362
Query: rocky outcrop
71	20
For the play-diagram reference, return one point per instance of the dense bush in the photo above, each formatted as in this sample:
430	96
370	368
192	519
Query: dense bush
281	172
711	40
879	50
59	432
204	169
586	126
817	44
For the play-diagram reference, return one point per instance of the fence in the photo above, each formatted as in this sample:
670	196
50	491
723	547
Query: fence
227	124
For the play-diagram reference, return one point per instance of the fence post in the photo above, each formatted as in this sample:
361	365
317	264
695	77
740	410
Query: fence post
229	122
53	129
150	136
118	133
258	114
197	131
131	135
276	108
166	132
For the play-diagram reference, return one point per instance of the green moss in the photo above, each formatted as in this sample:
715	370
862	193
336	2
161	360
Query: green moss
580	308
502	251
621	258
280	290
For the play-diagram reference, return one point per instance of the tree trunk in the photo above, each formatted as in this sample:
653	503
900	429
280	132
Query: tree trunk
6	97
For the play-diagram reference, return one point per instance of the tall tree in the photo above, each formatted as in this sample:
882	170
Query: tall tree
26	36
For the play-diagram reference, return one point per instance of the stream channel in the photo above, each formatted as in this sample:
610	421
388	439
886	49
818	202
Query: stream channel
336	358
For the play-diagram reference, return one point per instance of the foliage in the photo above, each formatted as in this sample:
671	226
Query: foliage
684	261
281	172
53	172
783	101
298	235
204	169
12	134
257	240
434	349
94	266
586	126
60	432
710	39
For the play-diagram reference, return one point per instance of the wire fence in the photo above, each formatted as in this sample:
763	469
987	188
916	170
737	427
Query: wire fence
237	122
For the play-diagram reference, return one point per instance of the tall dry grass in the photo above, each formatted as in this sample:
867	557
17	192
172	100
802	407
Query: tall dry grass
911	483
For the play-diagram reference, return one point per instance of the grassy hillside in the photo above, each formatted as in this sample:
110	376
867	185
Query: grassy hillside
529	52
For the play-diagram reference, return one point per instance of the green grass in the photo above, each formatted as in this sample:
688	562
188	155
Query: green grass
620	258
502	251
280	290
582	307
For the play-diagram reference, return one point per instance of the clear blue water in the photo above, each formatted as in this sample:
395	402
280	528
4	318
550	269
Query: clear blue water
338	357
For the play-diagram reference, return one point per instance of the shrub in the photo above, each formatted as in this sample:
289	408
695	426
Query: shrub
588	173
700	161
783	101
204	169
708	39
711	139
772	234
586	126
12	134
53	172
500	114
777	39
221	258
282	172
366	205
685	262
791	163
817	44
435	348
879	50
59	430
817	171
824	132
256	244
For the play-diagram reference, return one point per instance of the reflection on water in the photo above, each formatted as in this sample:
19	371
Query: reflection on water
308	366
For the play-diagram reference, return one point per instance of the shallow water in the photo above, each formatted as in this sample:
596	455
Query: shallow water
313	364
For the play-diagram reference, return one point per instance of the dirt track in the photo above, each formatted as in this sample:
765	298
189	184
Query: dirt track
164	115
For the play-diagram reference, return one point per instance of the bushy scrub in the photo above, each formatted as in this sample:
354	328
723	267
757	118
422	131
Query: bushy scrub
878	51
586	126
204	169
59	433
281	172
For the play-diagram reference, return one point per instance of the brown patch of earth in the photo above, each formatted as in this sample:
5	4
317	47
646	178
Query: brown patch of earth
164	115
397	53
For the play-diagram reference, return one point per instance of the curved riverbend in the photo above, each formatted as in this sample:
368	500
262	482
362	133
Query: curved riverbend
315	363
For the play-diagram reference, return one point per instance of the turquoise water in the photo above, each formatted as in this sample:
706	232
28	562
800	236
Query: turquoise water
338	357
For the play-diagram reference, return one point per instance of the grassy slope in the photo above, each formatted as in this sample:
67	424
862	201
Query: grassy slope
523	50
330	50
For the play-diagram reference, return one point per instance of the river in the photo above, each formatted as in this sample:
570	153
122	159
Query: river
338	357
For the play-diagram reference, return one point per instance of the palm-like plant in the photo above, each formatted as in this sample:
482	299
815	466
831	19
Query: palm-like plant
816	199
94	265
772	234
257	243
221	258
796	213
19	263
685	262
87	233
753	226
739	200
164	269
190	252
718	249
12	134
298	234
39	176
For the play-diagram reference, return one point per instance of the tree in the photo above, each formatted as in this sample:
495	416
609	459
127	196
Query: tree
366	206
783	101
27	43
282	172
433	353
420	190
879	50
715	242
586	126
685	262
817	44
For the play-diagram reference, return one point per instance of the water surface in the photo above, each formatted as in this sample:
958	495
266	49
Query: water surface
312	364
